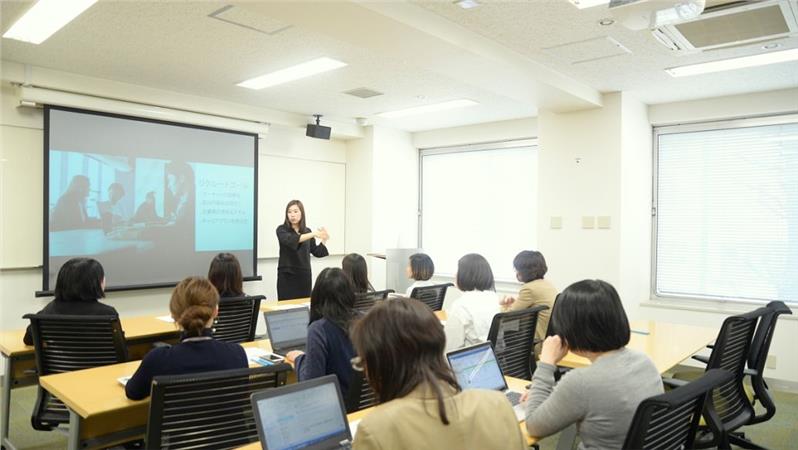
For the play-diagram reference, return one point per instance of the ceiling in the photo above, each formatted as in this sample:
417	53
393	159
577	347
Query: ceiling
415	54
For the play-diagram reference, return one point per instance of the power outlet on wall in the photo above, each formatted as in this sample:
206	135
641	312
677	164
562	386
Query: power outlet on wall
770	362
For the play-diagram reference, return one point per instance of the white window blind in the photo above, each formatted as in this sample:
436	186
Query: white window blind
479	200
727	211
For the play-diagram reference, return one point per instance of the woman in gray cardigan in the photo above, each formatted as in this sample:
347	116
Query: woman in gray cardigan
601	399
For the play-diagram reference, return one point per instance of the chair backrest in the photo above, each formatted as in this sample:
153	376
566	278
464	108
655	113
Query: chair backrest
65	343
365	300
237	319
360	395
431	296
208	410
729	403
512	336
760	346
669	421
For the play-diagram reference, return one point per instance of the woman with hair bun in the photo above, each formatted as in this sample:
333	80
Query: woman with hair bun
194	305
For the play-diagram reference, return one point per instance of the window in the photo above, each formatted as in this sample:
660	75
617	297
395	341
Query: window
479	199
726	224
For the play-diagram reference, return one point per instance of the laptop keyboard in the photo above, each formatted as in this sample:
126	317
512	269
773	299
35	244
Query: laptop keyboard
514	397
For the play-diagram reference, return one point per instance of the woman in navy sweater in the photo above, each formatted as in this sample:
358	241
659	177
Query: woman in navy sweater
329	350
194	305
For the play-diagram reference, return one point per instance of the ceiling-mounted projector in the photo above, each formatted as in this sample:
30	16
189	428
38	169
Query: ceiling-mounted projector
318	131
647	14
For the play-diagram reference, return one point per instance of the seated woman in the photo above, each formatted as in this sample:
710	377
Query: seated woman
601	398
419	269
470	315
225	275
400	347
530	268
194	305
329	349
79	285
355	267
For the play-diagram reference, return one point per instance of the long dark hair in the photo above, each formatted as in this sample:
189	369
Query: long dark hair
401	343
301	207
355	267
225	274
474	274
333	298
80	280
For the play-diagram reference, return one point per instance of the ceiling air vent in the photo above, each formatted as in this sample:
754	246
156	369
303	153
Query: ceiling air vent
363	92
732	24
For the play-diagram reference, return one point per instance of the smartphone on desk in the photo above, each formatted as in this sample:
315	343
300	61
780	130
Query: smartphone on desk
269	359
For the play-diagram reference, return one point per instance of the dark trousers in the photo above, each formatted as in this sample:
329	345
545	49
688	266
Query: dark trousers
293	284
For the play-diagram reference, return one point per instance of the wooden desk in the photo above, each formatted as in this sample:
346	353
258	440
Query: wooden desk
284	304
20	364
515	384
102	415
667	344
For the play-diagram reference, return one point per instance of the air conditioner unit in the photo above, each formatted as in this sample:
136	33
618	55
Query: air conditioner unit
725	24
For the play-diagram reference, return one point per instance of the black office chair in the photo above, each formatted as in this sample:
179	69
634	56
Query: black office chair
431	296
210	410
65	343
760	347
365	300
512	336
360	395
669	421
237	319
730	408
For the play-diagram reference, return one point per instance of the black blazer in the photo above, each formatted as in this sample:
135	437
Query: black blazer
293	255
80	308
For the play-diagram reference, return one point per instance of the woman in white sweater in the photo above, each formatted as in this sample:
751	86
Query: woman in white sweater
469	318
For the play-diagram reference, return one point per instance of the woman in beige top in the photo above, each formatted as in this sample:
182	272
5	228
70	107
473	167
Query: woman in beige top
530	268
400	347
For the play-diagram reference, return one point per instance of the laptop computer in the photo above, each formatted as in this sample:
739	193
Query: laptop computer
476	368
288	329
308	415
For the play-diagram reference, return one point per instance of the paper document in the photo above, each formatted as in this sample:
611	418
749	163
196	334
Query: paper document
123	380
353	427
166	319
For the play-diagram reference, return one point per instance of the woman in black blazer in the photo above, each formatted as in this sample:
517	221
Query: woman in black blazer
80	283
297	243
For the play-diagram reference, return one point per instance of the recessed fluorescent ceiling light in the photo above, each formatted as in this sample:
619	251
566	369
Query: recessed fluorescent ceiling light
582	4
45	18
734	63
304	70
467	4
462	103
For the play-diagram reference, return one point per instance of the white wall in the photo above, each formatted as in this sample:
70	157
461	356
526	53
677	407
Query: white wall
729	107
475	134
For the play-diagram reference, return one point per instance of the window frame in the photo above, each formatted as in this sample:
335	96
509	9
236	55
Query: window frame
531	142
659	130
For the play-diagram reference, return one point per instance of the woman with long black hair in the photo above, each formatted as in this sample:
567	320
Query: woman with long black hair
297	243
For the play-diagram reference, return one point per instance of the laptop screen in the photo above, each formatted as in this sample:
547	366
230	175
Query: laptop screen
302	417
476	368
287	327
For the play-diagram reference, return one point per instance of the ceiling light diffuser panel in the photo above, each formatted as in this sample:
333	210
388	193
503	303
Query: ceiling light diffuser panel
297	72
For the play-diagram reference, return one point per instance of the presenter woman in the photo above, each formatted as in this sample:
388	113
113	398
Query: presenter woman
297	243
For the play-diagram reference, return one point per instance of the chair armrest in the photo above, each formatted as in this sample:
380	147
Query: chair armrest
674	382
710	346
701	358
751	372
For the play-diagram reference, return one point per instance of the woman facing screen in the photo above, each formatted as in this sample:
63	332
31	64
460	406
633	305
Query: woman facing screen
297	243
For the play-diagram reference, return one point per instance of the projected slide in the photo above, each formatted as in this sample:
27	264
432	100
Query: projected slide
153	202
